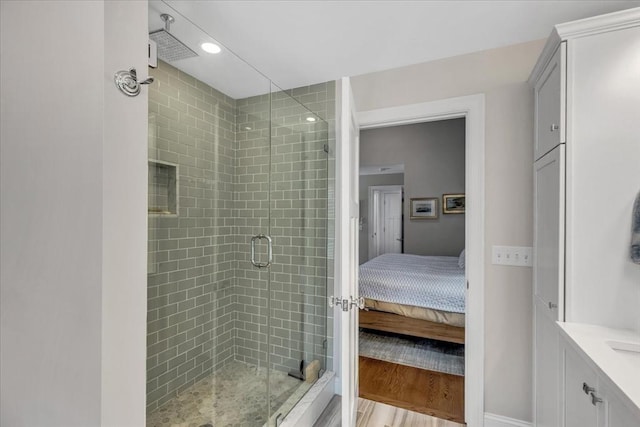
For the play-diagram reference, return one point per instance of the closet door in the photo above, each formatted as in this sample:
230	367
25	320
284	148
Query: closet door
548	284
392	229
550	99
549	214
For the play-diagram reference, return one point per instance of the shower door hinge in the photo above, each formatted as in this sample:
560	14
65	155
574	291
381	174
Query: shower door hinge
345	303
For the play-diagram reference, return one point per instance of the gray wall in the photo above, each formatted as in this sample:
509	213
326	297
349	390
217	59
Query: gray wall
433	157
501	75
367	181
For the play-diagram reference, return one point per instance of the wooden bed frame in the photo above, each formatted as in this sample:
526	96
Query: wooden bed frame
389	322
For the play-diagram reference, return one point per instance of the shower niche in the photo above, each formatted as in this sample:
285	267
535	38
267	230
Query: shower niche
163	188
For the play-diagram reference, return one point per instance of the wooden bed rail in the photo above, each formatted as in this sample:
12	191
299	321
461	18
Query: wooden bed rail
389	322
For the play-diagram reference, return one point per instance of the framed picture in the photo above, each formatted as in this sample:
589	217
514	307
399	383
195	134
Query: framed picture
453	203
424	208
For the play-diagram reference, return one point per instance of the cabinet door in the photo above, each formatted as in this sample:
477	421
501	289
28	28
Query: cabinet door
549	105
548	244
546	369
579	409
617	414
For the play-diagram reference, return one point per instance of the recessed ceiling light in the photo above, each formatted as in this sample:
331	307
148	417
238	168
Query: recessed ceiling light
311	119
210	47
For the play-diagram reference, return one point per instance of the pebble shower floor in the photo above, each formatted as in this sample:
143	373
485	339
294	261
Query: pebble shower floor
235	395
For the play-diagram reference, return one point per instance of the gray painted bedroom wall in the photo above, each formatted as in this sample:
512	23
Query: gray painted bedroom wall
433	156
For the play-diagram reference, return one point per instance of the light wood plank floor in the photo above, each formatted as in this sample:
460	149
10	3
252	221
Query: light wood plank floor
376	414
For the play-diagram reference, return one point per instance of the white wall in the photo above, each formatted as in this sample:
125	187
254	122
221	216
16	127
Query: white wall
500	74
73	215
603	160
124	224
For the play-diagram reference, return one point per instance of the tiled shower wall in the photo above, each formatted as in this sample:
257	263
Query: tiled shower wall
207	305
191	302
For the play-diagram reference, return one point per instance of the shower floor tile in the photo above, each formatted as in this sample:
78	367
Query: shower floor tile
235	395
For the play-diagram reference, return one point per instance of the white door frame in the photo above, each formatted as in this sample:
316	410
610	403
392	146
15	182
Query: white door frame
374	215
472	109
346	250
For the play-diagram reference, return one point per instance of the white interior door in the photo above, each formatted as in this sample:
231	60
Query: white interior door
374	222
385	220
392	228
348	160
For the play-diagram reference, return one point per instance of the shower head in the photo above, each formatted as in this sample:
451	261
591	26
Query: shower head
170	49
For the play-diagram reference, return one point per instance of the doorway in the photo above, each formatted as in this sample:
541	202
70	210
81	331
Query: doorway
472	109
400	365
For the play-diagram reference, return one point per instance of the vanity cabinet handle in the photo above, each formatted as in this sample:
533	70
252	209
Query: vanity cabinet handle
587	389
552	305
595	399
553	127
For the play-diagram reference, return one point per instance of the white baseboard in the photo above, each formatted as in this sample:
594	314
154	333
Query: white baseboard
493	420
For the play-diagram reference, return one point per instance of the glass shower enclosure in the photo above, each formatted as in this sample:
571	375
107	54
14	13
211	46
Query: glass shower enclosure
238	235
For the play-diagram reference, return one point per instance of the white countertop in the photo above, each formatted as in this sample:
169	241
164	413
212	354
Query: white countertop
592	340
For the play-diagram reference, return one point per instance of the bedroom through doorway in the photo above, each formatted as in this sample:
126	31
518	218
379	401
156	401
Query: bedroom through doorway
412	266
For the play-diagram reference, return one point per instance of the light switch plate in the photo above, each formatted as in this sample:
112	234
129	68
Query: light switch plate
520	256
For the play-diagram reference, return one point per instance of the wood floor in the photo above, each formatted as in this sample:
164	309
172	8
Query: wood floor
428	392
376	414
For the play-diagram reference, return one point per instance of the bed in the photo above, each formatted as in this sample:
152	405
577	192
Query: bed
415	295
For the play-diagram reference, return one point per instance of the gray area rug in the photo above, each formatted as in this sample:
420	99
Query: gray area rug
420	353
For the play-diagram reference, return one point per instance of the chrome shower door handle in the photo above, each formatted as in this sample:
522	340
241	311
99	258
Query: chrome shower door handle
269	251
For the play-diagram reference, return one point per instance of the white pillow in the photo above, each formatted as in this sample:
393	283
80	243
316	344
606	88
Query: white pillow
461	259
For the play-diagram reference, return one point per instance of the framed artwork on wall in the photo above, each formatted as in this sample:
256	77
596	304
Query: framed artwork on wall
424	208
453	203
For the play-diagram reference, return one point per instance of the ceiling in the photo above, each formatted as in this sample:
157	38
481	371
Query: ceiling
297	43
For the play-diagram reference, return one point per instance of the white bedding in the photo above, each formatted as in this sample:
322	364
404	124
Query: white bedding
435	282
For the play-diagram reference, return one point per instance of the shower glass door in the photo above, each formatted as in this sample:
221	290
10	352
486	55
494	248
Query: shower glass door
232	159
298	228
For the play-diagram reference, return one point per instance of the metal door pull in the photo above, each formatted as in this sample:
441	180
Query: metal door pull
269	251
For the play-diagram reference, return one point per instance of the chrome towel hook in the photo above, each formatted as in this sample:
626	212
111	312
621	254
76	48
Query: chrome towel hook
127	82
